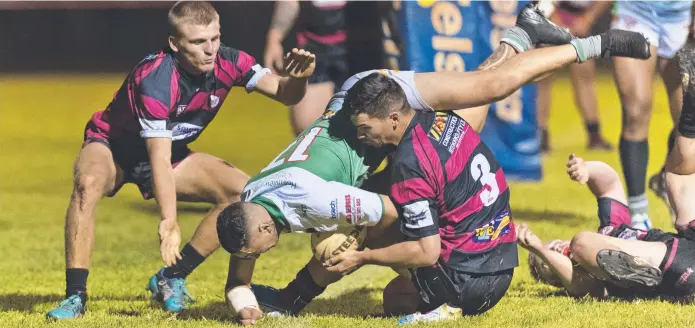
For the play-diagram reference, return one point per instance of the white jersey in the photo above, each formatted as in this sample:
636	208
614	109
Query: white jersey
303	202
405	79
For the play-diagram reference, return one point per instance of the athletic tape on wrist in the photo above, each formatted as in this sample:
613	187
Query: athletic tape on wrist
241	297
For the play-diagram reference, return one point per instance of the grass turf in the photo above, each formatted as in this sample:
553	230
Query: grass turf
41	124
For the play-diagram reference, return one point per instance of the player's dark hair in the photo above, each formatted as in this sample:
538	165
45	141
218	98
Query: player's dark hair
231	227
376	95
196	12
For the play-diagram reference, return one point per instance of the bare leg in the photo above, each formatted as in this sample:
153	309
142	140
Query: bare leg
401	297
206	178
680	179
96	175
634	80
586	245
583	77
543	102
476	116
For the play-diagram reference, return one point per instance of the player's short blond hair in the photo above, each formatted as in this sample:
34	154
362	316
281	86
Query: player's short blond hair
196	12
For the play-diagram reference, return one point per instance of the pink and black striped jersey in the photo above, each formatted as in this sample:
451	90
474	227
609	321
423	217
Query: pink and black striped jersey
446	181
159	99
323	22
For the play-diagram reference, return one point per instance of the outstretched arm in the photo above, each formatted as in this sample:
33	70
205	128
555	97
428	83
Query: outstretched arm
574	279
602	180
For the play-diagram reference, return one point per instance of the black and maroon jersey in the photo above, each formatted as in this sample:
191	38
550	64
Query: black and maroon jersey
323	22
446	181
159	99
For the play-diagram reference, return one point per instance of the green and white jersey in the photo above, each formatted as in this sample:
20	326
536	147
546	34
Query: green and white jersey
313	184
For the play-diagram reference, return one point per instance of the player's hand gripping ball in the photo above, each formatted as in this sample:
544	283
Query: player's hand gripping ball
328	244
300	63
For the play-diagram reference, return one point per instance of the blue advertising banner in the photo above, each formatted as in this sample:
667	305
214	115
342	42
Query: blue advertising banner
458	36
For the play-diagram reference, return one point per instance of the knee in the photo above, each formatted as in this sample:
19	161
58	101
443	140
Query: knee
400	297
580	245
88	188
636	121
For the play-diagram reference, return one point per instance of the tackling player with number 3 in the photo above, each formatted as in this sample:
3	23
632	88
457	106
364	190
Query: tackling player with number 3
325	165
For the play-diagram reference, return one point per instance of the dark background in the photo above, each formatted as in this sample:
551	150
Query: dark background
115	36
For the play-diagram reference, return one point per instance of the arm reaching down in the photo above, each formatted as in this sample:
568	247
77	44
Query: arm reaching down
159	150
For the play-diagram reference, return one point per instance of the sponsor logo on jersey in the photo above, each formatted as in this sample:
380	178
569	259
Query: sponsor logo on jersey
358	208
348	209
491	231
328	114
185	130
334	209
417	215
438	126
180	109
629	234
214	101
454	133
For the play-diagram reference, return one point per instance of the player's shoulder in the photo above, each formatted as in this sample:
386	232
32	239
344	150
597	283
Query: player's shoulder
358	76
154	68
231	54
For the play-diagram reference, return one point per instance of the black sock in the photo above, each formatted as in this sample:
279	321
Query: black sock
76	283
190	259
671	142
593	127
303	288
634	156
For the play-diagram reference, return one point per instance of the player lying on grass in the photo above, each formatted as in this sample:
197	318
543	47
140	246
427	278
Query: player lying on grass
680	164
617	260
142	137
283	197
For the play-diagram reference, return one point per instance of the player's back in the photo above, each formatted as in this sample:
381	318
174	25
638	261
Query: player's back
323	21
469	188
325	151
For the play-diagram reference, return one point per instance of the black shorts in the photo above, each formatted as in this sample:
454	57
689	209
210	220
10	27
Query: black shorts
331	63
474	293
677	267
136	165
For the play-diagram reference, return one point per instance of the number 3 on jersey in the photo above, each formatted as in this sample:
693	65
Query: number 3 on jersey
480	170
299	153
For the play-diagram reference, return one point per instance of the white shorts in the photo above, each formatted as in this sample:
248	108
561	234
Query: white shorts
667	32
310	203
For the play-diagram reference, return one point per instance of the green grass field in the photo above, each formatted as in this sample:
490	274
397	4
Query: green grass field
41	124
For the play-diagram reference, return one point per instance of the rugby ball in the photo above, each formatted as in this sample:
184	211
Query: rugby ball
327	244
